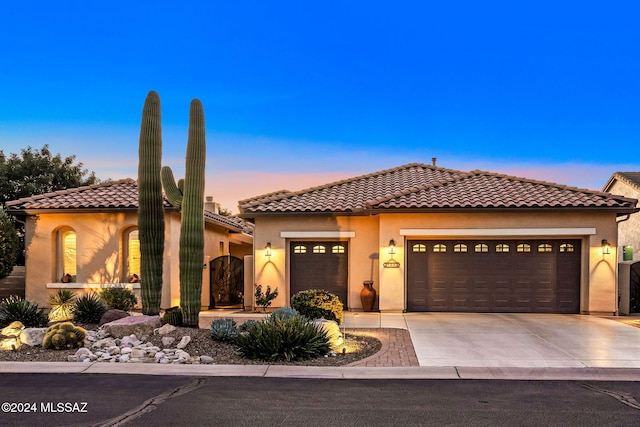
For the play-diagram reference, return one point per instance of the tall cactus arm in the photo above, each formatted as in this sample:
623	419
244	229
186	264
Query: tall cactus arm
171	190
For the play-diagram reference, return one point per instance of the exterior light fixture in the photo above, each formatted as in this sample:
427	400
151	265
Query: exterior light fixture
392	247
606	247
267	250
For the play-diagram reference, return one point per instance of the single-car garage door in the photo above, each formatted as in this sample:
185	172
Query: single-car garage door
533	276
320	265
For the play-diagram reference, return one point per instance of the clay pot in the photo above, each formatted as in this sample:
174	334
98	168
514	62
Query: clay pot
368	295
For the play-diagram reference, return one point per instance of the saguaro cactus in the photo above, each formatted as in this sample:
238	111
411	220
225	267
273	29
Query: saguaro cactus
150	205
189	195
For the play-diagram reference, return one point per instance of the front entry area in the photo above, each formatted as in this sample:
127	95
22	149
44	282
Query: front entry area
503	276
320	265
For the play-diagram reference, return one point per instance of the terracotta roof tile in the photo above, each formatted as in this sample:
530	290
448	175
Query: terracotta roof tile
419	186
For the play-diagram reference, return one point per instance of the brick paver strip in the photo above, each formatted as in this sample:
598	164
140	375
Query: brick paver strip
397	348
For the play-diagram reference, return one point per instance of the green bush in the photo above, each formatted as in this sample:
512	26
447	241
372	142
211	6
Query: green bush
284	312
16	309
283	339
89	308
248	324
119	298
224	330
63	336
318	303
172	316
62	305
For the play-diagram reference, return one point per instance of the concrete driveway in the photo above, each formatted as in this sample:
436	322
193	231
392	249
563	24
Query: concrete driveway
513	340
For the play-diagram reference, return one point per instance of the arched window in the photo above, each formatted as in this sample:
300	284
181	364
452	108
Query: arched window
502	247
460	248
319	249
419	247
439	247
66	255
545	247
481	247
299	249
337	249
132	254
523	247
566	247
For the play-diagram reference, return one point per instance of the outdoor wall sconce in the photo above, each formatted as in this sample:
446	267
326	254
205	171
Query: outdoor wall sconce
267	250
392	263
392	247
606	247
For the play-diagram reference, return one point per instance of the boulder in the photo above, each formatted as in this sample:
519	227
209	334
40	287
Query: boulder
32	336
111	315
132	325
183	342
332	330
165	329
13	330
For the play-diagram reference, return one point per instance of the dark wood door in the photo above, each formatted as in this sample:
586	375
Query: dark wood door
320	265
520	276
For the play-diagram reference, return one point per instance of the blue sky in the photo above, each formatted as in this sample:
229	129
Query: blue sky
299	94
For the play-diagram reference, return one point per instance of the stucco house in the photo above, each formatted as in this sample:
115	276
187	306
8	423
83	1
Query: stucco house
86	239
627	184
435	239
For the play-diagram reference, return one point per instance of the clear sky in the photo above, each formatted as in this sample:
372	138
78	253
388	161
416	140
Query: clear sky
298	94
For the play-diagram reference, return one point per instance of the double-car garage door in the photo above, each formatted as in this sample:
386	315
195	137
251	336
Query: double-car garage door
532	276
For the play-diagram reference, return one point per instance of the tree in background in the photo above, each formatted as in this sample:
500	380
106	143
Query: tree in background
34	172
9	245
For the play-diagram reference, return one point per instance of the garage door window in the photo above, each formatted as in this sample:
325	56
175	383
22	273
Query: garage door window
460	247
439	248
566	247
419	248
545	247
502	247
299	249
337	249
523	248
319	249
481	248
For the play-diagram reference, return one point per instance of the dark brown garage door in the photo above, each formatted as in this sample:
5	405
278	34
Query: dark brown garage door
320	265
533	276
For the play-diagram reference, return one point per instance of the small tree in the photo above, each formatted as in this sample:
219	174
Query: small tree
9	245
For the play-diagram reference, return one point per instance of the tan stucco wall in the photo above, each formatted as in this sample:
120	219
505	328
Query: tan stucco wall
372	235
100	256
629	230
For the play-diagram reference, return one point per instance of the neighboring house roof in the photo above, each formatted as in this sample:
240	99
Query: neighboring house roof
416	187
108	196
630	178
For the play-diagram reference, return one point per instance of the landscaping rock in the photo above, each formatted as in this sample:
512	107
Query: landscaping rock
207	360
13	330
32	336
111	315
165	329
167	341
332	329
136	325
184	341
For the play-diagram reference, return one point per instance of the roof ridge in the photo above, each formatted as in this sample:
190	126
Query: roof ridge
258	200
623	177
269	197
69	191
458	176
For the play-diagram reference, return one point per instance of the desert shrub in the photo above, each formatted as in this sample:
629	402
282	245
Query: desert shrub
248	324
283	338
62	336
284	312
9	245
17	309
172	316
89	308
119	298
318	303
62	305
224	330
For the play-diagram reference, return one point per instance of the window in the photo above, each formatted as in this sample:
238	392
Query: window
221	248
66	255
299	249
545	247
523	247
337	249
132	245
419	247
439	248
481	247
502	247
319	249
460	248
566	247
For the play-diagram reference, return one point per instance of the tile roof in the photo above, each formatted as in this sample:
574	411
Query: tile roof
111	195
418	186
631	178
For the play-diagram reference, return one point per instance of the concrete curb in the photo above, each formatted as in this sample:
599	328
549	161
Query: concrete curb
354	373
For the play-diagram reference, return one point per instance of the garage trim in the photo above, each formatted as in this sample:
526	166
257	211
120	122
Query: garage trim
317	234
497	231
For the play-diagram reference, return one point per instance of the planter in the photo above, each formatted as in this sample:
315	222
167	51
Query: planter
368	295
